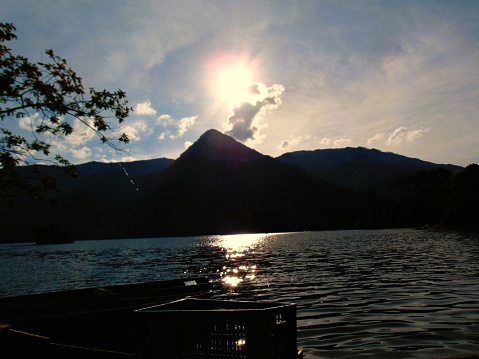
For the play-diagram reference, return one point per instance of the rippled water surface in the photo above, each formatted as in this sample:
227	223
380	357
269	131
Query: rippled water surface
388	293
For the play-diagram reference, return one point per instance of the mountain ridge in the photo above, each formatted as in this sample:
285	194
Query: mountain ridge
358	168
220	148
236	188
216	186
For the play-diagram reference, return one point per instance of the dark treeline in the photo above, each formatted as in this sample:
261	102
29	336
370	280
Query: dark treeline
438	198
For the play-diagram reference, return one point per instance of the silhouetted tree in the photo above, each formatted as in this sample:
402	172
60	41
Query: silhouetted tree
463	201
440	197
52	96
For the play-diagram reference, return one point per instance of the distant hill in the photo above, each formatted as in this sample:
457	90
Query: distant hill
96	204
135	168
220	186
359	168
99	176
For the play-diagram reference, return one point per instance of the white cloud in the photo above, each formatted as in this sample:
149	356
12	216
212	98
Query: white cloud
375	138
26	123
145	108
247	119
414	135
164	120
137	130
175	129
132	133
185	123
290	143
82	153
396	137
343	142
187	144
401	134
141	126
325	141
82	132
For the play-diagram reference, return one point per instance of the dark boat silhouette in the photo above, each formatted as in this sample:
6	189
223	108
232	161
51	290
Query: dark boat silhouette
86	323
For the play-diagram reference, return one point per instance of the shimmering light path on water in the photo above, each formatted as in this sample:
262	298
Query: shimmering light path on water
388	293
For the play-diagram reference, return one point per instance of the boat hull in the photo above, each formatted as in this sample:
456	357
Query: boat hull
99	320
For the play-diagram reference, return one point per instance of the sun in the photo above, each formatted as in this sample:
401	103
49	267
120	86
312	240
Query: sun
231	78
233	83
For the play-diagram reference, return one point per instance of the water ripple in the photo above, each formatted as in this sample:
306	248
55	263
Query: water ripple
361	294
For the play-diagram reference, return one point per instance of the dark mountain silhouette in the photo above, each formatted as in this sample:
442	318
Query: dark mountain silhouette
221	186
216	148
96	204
217	186
136	168
102	177
359	168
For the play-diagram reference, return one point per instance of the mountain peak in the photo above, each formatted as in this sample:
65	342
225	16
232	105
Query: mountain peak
212	134
214	146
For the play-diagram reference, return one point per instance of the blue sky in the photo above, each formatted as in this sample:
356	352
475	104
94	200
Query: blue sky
280	76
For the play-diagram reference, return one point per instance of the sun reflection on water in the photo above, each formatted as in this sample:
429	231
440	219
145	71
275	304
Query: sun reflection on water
239	249
240	242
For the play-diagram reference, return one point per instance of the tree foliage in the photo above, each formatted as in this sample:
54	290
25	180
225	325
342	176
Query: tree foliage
53	97
440	197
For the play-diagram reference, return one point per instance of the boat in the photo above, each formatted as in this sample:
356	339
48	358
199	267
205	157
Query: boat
90	322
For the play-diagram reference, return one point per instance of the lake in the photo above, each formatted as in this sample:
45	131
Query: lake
387	293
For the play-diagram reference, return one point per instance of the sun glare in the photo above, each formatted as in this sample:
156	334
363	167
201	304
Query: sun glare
238	248
234	83
240	242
